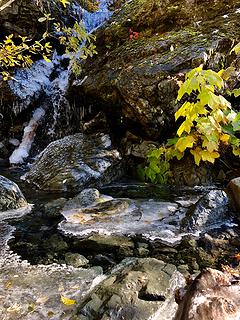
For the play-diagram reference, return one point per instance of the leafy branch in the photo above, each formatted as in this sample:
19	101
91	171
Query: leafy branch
209	124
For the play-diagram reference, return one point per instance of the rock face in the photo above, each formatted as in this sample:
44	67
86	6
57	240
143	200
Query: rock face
21	16
140	77
138	289
211	296
76	162
209	212
11	196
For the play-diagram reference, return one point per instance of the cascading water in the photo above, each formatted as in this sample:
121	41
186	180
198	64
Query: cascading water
35	86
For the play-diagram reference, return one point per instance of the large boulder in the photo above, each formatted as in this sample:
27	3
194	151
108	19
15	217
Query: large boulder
11	196
138	289
140	78
76	162
209	212
213	296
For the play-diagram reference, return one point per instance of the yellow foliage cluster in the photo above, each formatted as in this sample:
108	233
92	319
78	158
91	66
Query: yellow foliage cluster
209	126
20	51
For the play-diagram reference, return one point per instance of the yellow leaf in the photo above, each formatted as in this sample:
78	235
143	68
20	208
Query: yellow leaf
185	142
210	145
225	138
209	156
182	111
185	126
226	74
197	155
236	151
67	301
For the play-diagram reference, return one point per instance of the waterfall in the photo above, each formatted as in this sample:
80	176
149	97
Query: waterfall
30	84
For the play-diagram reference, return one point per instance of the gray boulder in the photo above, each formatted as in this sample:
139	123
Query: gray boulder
75	162
137	289
11	196
209	212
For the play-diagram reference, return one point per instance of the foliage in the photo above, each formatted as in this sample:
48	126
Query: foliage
158	166
20	51
73	39
21	54
209	124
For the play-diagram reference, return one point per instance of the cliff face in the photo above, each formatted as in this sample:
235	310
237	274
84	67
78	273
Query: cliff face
136	79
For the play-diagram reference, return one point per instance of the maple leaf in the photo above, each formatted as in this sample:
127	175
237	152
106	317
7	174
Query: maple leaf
185	127
209	156
185	142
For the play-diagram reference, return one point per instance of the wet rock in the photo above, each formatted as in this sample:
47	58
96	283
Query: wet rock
11	196
209	212
3	150
76	162
137	289
85	198
212	295
34	292
116	245
56	243
76	260
123	217
187	173
103	261
52	209
234	190
141	150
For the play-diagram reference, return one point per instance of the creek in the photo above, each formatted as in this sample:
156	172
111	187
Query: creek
45	255
119	252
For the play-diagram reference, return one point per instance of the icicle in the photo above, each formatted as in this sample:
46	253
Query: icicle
22	152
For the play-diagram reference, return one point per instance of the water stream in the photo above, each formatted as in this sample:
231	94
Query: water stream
57	251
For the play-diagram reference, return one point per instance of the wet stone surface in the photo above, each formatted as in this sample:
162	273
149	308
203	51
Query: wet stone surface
39	240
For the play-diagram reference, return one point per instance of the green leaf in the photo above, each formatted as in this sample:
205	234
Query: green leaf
236	92
236	123
171	142
193	73
185	88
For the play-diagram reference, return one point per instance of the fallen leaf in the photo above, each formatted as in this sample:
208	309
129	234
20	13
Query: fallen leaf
67	301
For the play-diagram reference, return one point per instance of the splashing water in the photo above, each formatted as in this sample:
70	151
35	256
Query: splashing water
30	84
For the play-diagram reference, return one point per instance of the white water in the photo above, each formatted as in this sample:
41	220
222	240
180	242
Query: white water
22	152
30	84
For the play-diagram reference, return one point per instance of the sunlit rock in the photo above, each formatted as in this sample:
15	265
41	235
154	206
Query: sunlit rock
137	289
11	196
36	292
212	295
